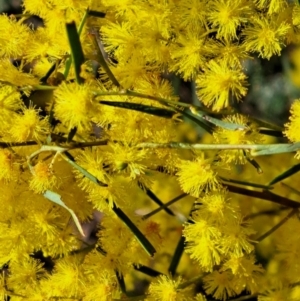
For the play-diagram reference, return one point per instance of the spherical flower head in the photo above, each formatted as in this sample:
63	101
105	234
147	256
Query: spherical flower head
10	100
104	286
197	175
74	106
232	53
156	86
246	134
15	75
277	294
188	54
104	198
26	273
92	160
7	165
274	6
218	82
14	37
227	16
120	39
43	178
191	14
67	277
125	158
296	15
265	36
203	238
292	130
246	272
200	297
293	127
236	237
216	205
220	285
165	289
243	265
29	126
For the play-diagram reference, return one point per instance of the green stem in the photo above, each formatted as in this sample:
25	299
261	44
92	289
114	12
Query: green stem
256	149
246	183
66	156
264	195
14	144
200	146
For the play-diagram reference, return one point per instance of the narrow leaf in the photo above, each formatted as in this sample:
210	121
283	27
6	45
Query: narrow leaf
52	121
145	243
101	250
71	134
253	162
56	198
83	21
80	28
272	133
76	50
71	160
97	14
180	246
217	122
10	144
267	187
43	80
146	270
200	123
94	36
121	282
266	124
177	256
161	112
294	169
276	149
264	195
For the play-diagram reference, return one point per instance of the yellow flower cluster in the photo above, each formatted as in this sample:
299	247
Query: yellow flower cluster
92	134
